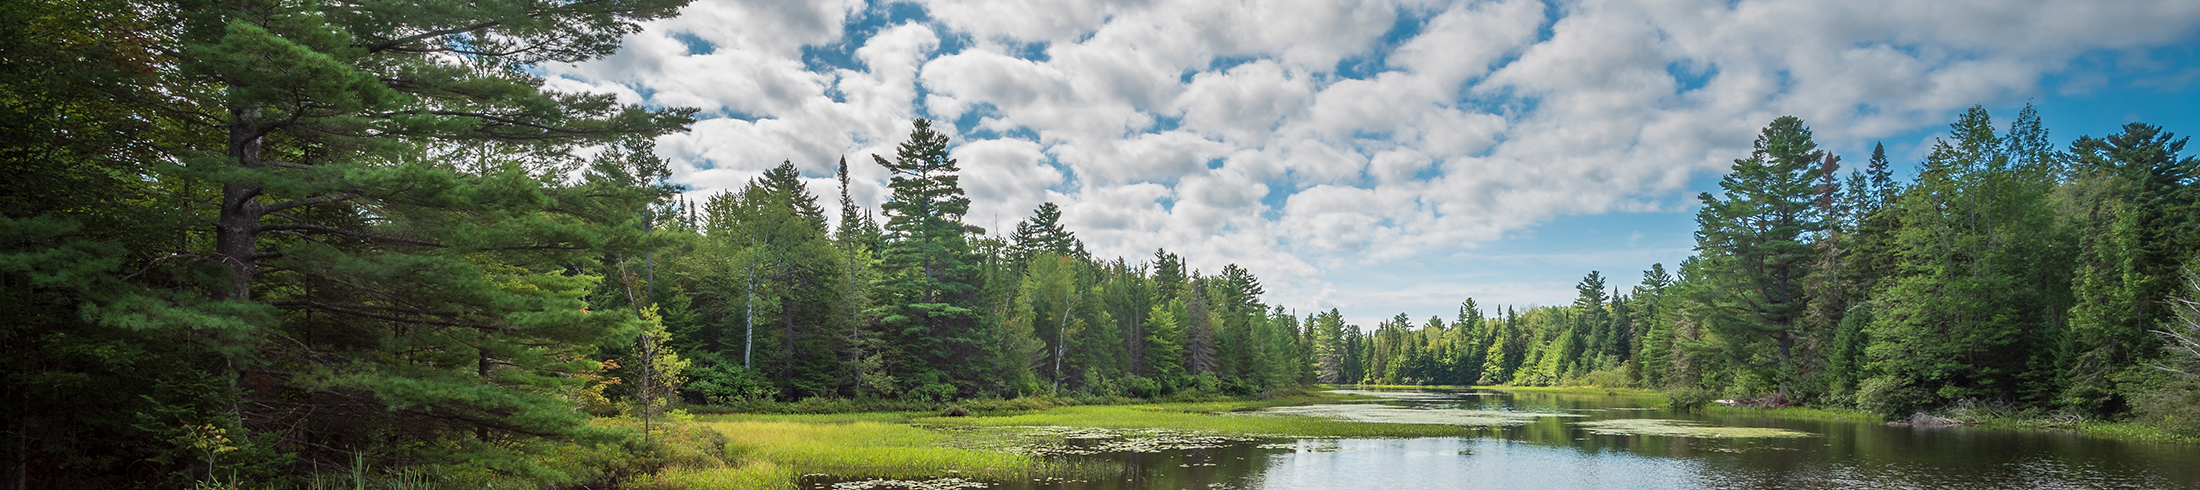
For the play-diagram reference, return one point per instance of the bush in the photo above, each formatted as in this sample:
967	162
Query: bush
1689	399
1609	378
1891	397
2175	408
721	384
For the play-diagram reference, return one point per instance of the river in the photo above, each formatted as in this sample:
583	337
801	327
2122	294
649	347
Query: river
1571	440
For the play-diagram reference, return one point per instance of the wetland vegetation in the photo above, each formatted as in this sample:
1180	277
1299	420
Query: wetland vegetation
1585	437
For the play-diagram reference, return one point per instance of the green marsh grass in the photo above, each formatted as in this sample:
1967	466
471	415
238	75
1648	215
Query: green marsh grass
758	475
1579	390
875	445
1799	413
2123	431
1202	417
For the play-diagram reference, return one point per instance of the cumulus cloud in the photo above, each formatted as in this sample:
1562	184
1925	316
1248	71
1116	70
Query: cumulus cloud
1307	139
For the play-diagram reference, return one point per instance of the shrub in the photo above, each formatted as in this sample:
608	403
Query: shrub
2175	408
1891	397
1689	399
1609	378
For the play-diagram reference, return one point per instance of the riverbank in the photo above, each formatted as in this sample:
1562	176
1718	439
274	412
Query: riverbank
986	440
2114	430
1005	439
2120	431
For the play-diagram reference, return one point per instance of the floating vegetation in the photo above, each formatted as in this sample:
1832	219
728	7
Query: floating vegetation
1682	428
1201	417
1305	446
949	483
1384	414
1399	395
1056	440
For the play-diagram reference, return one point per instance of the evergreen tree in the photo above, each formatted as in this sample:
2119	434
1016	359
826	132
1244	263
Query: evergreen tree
1330	350
1982	279
1164	344
1755	242
1044	233
930	273
2137	201
1655	357
395	181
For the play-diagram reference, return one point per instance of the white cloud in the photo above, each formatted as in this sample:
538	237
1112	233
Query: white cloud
1223	130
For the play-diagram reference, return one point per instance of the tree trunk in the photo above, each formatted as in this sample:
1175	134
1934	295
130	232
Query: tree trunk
19	478
786	315
236	228
236	232
748	337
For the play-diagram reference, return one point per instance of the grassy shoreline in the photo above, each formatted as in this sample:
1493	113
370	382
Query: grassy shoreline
2112	430
774	450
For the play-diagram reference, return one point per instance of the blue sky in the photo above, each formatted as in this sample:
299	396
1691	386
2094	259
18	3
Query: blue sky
1377	156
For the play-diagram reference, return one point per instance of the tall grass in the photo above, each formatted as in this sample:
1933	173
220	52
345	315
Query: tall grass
874	445
1800	413
758	475
1207	417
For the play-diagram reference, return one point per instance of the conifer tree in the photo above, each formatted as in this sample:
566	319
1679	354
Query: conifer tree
2136	194
395	180
1164	344
929	270
1755	243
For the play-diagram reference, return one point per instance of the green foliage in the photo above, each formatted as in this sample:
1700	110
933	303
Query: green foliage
930	276
1982	278
1754	242
1689	399
2175	408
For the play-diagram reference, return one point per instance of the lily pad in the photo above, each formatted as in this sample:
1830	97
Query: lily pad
1683	428
1386	414
933	484
1399	395
1054	441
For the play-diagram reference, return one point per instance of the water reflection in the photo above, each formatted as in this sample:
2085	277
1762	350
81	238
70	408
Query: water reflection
1557	452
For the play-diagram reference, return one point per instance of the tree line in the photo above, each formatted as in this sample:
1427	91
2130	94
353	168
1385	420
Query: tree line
2010	271
765	298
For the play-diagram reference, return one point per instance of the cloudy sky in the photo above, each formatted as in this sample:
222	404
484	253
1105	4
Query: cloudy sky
1377	156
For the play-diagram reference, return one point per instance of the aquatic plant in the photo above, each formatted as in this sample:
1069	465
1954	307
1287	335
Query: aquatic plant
1682	428
1205	417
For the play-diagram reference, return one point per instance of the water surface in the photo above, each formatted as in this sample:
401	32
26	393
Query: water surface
1546	440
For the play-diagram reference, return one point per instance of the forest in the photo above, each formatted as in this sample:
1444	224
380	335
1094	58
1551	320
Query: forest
261	241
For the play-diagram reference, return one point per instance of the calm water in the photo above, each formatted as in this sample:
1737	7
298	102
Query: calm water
1555	452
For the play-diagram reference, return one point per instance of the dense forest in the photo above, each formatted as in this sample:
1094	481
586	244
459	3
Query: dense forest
249	240
2011	272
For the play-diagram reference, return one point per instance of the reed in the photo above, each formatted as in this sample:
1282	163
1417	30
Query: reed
1216	417
758	475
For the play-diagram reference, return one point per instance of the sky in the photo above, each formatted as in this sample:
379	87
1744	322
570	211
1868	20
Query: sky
1379	157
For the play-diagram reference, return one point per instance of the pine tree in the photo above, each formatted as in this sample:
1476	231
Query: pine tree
1164	344
930	272
1200	356
1656	354
1044	233
1982	278
396	181
1755	241
2135	193
1330	351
